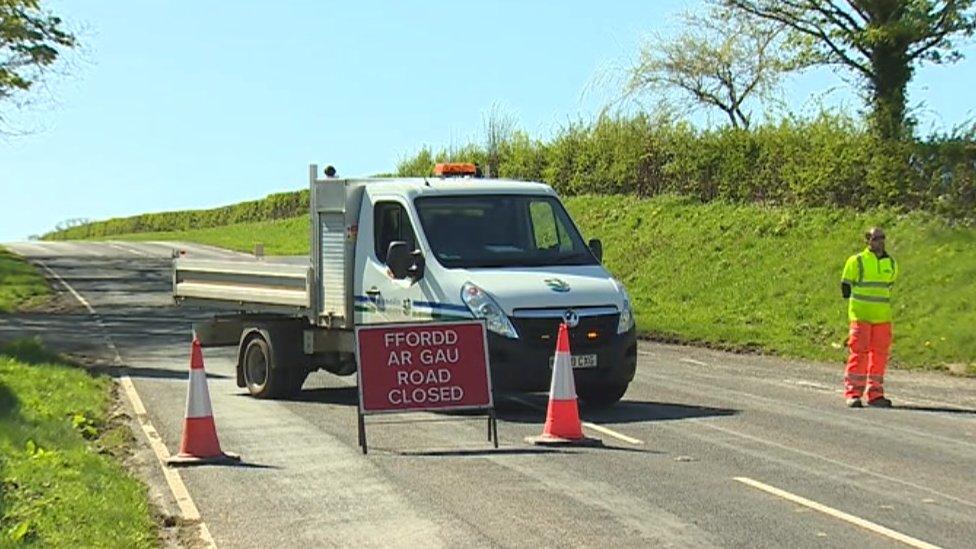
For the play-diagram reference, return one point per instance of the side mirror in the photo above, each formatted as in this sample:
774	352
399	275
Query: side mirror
597	248
404	263
398	259
419	263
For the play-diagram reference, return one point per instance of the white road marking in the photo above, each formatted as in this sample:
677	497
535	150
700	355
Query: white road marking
716	388
693	361
173	479
129	249
587	424
612	433
833	462
812	385
857	521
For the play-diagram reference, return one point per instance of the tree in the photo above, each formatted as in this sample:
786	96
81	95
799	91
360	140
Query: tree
721	60
499	127
31	40
882	41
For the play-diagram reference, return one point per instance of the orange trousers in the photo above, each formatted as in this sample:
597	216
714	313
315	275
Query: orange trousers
870	345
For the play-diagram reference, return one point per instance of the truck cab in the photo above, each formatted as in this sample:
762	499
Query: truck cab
450	248
507	252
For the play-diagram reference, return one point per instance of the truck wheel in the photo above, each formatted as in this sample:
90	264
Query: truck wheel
601	395
264	377
257	368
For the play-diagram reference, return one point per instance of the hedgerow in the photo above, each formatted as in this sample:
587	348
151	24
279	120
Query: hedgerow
827	160
275	206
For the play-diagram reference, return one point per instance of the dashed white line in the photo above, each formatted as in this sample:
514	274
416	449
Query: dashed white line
187	508
693	361
838	463
587	424
830	511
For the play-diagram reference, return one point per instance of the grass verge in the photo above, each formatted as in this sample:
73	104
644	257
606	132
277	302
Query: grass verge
59	483
280	237
20	283
747	276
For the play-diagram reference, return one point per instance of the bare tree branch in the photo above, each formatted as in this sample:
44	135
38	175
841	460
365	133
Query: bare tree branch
722	61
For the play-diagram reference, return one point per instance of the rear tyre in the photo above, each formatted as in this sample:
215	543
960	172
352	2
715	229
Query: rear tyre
257	367
601	395
264	377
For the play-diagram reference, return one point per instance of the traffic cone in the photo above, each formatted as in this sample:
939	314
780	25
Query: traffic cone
563	424
199	444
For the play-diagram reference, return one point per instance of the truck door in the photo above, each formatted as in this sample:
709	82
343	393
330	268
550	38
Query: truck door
379	297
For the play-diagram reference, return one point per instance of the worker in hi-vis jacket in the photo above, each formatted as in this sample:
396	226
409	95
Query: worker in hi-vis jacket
866	284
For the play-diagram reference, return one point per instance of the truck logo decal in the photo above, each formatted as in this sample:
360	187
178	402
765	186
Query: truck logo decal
557	285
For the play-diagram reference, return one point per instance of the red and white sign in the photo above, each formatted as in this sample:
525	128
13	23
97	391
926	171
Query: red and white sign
430	366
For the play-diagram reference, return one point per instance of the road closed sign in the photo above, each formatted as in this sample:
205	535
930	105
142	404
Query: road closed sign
430	366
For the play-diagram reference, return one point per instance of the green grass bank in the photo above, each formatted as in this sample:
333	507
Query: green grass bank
59	483
20	283
746	275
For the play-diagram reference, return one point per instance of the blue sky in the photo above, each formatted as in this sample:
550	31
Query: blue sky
179	105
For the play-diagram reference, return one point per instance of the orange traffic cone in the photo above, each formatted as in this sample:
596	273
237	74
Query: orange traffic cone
563	424
199	444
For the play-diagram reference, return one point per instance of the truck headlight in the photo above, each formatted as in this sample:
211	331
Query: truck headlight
626	321
483	306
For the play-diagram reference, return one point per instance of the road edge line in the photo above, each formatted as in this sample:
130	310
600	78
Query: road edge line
184	501
836	513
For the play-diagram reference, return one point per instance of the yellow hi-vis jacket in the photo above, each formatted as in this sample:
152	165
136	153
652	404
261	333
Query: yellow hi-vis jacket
871	279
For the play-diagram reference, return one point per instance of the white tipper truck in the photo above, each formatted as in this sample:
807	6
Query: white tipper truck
388	250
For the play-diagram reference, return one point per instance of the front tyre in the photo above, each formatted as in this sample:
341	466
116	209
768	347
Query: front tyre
601	395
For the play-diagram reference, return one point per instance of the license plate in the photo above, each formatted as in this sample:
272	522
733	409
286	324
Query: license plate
578	361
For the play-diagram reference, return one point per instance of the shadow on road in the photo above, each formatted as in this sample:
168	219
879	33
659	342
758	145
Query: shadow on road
625	411
344	396
159	373
628	411
238	465
516	409
485	452
937	409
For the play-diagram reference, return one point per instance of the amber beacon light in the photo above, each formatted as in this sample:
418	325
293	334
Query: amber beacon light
455	169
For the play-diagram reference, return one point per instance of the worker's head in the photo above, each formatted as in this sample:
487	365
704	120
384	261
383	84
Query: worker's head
875	238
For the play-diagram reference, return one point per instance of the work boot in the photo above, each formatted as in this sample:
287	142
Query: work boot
880	402
854	403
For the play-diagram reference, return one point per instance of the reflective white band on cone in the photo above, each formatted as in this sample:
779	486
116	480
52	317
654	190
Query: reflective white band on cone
198	397
563	386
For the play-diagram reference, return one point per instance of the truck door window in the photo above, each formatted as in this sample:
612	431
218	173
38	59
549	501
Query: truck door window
391	223
549	233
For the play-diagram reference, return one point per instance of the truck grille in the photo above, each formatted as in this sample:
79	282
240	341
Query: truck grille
545	330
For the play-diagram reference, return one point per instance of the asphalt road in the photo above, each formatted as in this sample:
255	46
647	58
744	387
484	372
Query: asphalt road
707	432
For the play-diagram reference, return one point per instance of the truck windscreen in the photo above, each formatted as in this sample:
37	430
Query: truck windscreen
501	231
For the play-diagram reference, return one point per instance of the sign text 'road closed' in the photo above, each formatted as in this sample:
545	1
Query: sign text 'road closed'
423	367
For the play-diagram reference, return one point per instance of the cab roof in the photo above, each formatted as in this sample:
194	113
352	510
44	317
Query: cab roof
414	187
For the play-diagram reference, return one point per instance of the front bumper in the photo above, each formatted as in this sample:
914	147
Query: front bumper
524	364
